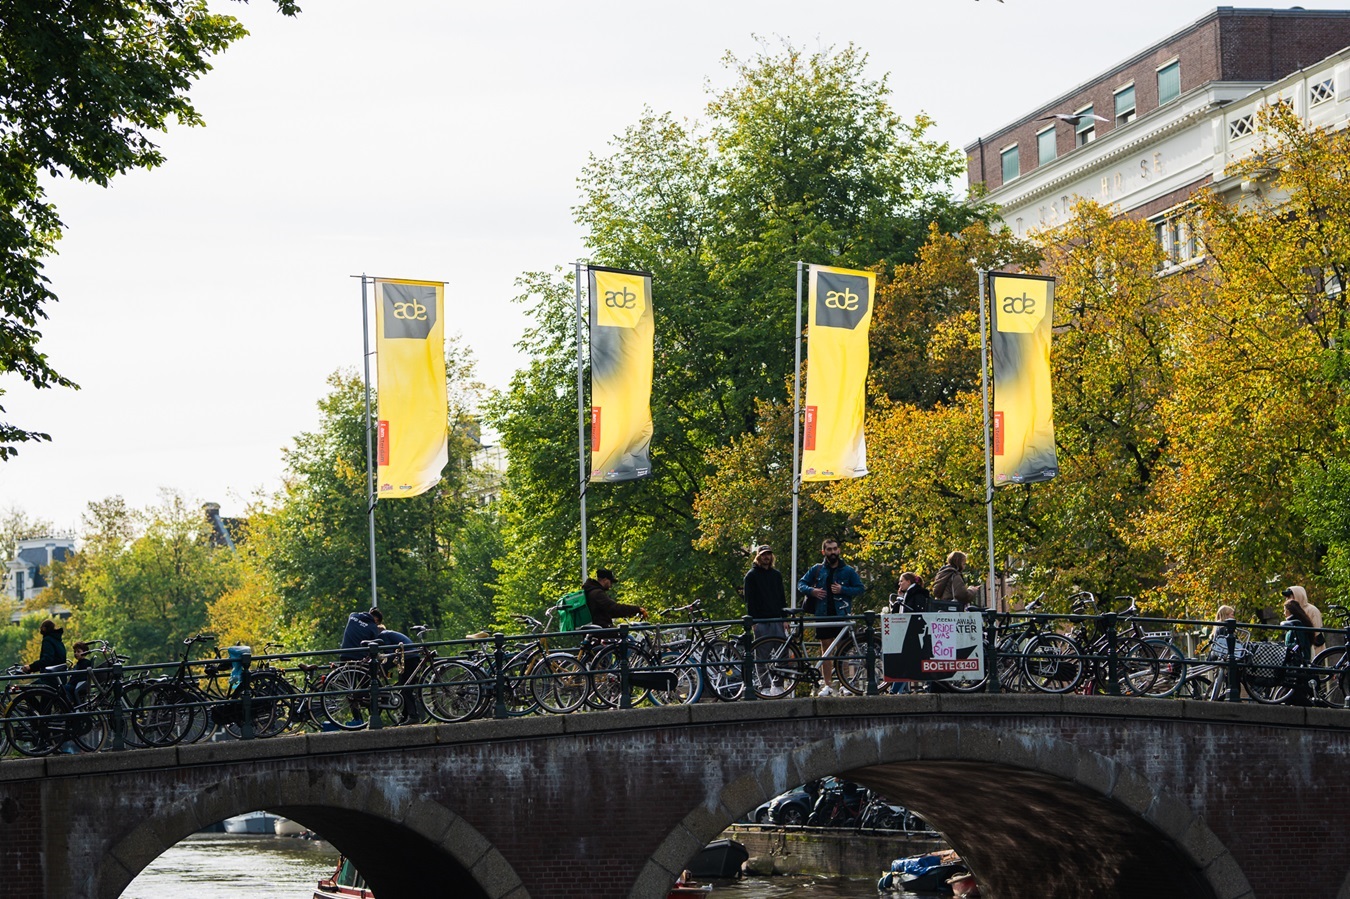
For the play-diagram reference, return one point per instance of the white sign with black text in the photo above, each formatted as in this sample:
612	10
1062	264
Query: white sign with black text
928	646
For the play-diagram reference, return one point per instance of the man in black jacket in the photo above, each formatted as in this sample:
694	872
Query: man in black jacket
765	595
603	608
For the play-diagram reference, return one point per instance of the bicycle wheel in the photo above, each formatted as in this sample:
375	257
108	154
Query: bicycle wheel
776	669
1137	666
34	730
89	727
345	697
1329	665
453	691
607	676
166	714
1052	663
1171	678
559	682
851	663
267	690
720	662
688	679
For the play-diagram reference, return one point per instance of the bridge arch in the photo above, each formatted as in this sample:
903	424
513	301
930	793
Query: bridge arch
399	842
1034	816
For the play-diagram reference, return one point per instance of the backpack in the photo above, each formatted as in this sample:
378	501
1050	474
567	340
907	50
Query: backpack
573	612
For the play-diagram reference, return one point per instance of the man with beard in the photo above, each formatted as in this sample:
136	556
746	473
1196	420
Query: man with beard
829	587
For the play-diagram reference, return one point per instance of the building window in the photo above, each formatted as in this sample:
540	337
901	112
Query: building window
1241	127
1125	105
1169	82
18	585
1011	165
1046	148
1321	92
1178	242
1085	132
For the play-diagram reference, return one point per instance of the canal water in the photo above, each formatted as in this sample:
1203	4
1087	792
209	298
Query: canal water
222	866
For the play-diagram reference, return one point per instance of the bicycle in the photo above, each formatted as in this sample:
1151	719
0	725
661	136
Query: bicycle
179	709
1060	663
1331	666
780	663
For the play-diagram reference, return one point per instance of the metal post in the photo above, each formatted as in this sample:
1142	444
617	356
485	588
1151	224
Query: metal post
796	433
1112	654
119	722
499	663
370	454
581	423
989	598
991	652
625	670
870	653
374	721
246	699
1234	674
747	640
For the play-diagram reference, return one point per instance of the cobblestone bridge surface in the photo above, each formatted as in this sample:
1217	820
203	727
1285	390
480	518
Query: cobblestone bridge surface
1045	796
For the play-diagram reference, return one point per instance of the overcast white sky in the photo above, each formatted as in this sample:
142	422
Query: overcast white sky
203	304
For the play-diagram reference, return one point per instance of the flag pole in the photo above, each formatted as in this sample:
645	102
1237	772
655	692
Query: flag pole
581	425
989	597
370	457
796	431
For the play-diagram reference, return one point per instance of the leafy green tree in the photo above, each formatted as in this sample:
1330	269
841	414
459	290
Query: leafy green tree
802	158
1256	488
313	540
143	579
83	87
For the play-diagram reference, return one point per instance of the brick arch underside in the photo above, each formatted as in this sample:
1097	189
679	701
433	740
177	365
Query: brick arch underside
1026	834
1035	817
400	846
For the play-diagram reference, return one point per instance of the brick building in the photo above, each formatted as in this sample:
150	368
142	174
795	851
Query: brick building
1149	131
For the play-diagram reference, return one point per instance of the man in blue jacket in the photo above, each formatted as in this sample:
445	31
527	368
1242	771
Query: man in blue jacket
828	589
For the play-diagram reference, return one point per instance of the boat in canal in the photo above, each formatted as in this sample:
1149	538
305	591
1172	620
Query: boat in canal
346	883
928	873
252	822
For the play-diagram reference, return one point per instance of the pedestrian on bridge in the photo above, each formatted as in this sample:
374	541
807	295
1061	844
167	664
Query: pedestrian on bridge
949	584
829	588
765	595
602	605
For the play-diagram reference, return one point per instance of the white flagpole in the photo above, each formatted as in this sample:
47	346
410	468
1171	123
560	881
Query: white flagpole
989	597
581	423
370	457
796	431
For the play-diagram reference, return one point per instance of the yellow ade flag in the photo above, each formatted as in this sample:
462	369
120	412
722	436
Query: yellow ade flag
622	334
833	443
1024	426
410	353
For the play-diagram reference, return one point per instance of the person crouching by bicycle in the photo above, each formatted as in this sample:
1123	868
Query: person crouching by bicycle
602	606
765	595
949	584
829	587
361	626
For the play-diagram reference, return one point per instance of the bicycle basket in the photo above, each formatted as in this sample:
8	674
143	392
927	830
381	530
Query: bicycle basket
1267	664
572	611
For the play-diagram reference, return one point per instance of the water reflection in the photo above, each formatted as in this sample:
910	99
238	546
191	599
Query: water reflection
268	867
236	867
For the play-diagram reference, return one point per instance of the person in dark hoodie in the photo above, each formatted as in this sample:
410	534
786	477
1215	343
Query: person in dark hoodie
53	652
603	608
765	595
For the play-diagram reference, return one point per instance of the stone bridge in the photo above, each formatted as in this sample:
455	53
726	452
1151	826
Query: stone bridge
1045	796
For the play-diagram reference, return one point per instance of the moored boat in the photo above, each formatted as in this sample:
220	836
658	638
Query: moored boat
928	873
964	886
285	827
346	883
253	822
720	858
